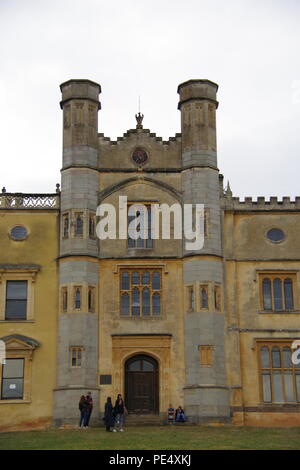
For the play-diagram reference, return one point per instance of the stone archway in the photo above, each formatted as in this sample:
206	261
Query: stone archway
141	384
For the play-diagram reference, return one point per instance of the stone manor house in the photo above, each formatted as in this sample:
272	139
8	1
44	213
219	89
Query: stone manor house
211	330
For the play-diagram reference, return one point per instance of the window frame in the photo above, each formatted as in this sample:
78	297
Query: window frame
283	276
148	205
18	275
141	287
280	343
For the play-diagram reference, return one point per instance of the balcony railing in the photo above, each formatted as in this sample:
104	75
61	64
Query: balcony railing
29	201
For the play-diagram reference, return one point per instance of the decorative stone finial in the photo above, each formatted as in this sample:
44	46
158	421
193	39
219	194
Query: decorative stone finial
228	191
57	187
139	119
4	189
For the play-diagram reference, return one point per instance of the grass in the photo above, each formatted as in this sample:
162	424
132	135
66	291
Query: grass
155	438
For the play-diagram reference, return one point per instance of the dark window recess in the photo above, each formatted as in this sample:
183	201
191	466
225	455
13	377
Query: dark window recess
18	233
16	300
12	379
275	235
105	380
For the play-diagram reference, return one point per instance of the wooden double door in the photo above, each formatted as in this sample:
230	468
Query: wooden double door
141	388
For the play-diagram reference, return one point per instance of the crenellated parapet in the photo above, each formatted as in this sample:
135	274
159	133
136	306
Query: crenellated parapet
132	132
237	204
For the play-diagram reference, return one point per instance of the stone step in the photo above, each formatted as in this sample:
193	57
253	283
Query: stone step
143	420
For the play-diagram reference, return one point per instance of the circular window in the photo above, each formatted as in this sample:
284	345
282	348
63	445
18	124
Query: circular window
139	156
275	235
18	233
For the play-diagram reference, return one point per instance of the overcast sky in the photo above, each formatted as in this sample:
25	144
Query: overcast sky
249	47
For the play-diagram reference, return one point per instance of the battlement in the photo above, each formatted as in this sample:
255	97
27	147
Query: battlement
127	134
260	204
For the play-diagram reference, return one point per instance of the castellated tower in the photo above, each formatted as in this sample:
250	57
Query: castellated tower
206	392
78	261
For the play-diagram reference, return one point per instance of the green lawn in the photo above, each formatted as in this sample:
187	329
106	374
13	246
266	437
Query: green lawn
156	438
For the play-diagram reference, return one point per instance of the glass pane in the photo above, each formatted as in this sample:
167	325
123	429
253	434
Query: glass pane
298	385
135	366
12	388
79	225
13	368
275	235
77	299
288	294
79	358
204	298
146	301
16	290
146	277
156	304
289	389
149	241
147	366
135	278
131	243
135	302
267	294
16	309
287	358
266	387
277	383
156	281
277	284
19	232
276	357
125	304
265	358
125	282
140	243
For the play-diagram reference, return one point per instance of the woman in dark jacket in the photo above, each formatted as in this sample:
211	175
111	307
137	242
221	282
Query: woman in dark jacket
83	408
119	412
109	420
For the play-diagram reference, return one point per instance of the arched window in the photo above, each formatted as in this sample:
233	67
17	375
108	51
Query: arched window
79	225
204	297
278	292
267	294
78	298
277	289
288	294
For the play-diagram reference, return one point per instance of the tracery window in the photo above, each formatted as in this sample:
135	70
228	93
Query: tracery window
280	378
140	292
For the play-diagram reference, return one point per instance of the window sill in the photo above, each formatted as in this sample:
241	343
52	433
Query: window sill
17	321
15	402
278	312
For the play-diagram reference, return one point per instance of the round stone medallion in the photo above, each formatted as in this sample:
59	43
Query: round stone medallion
139	156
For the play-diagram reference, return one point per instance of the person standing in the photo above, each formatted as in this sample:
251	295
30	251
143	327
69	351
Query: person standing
119	411
83	408
109	420
89	401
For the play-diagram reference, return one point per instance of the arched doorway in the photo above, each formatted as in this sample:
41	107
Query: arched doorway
141	385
